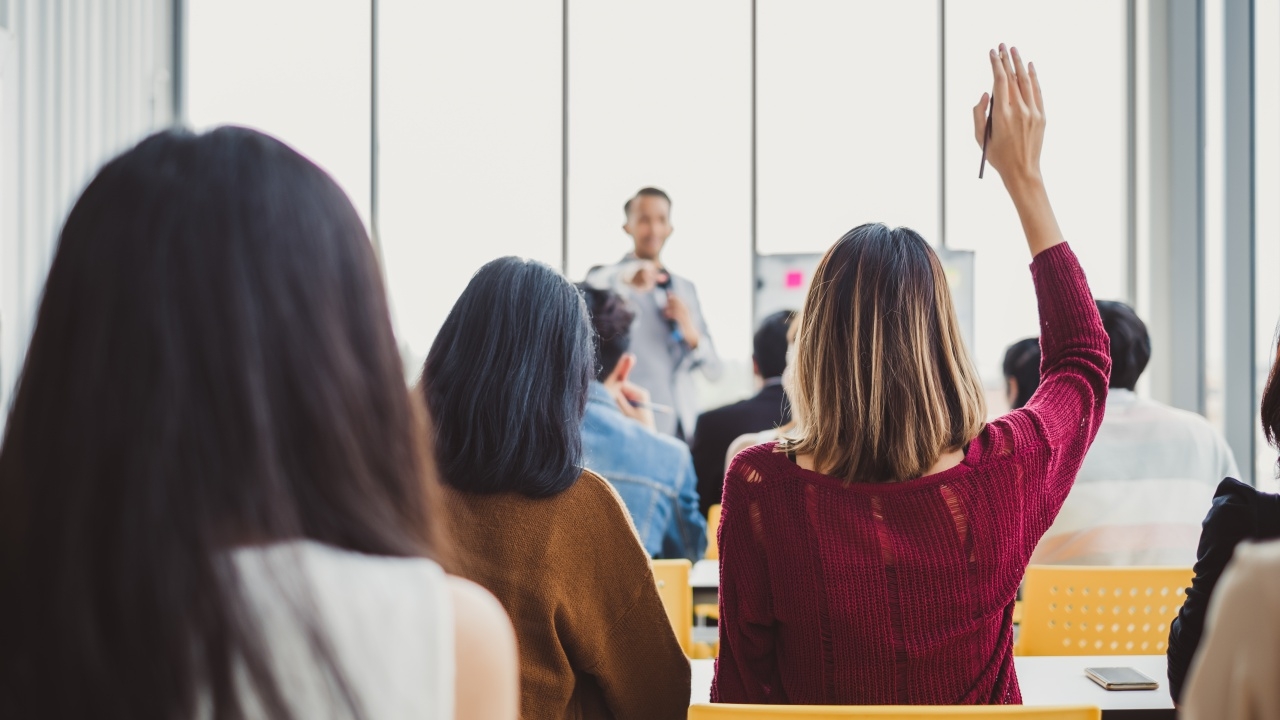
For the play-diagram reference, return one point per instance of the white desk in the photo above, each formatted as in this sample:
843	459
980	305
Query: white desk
1045	681
705	575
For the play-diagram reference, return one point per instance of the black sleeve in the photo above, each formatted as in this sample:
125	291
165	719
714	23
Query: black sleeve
1232	517
708	451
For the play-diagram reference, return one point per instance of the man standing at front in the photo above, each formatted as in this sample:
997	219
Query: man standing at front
669	338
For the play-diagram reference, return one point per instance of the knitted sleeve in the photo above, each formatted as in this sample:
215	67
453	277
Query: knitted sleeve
611	621
1048	437
746	671
644	674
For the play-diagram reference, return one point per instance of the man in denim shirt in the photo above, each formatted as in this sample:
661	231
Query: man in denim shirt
652	473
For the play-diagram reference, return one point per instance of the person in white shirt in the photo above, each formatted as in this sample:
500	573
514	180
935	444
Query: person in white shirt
1151	472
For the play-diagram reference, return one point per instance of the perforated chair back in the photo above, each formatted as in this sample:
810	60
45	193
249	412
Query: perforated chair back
713	524
1077	610
672	577
891	712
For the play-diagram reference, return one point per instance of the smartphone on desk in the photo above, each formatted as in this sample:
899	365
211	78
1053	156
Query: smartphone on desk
1120	678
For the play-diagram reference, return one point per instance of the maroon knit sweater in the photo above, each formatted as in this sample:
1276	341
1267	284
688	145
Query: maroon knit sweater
902	593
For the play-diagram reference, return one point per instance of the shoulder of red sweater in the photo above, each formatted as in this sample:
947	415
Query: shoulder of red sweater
758	453
756	458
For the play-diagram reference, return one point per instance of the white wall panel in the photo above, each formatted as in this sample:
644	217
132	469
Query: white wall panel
660	94
848	121
470	145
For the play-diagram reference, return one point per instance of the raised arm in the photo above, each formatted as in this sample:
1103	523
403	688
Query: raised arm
1017	135
1052	433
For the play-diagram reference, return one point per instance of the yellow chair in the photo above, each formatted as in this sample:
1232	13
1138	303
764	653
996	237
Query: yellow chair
703	612
672	577
713	524
1078	610
891	712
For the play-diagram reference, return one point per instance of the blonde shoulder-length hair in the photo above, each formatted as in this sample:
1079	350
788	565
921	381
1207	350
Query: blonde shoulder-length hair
882	384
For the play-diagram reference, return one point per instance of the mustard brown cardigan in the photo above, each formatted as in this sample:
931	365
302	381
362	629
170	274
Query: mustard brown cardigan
593	637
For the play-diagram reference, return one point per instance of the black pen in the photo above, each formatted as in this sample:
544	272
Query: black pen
986	136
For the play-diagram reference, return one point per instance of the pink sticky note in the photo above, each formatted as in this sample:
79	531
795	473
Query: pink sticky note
795	279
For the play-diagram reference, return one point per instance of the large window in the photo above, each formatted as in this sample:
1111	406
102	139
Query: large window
847	112
1079	49
498	134
297	69
470	151
660	94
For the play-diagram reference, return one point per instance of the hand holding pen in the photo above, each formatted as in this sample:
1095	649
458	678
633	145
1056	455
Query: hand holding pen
633	401
1013	134
1009	121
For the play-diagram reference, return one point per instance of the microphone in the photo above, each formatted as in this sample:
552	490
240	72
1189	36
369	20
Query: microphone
665	285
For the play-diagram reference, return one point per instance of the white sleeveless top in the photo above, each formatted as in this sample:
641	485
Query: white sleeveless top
388	623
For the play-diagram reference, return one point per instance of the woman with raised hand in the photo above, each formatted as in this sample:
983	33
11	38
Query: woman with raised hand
507	383
873	555
213	483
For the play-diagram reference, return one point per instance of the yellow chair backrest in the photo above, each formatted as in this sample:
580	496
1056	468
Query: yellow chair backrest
1078	610
713	523
891	712
672	577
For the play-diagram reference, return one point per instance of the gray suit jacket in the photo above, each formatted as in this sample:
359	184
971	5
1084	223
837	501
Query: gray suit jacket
664	365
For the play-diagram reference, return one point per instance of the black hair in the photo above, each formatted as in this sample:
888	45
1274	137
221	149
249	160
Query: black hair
645	192
1130	343
1022	363
769	346
507	379
212	366
1271	406
611	319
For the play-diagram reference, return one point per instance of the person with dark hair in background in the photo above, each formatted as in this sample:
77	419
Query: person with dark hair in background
768	409
1022	371
506	381
652	472
670	336
215	501
1237	665
1142	489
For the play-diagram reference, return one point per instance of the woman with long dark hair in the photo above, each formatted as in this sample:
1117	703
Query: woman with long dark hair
213	483
506	381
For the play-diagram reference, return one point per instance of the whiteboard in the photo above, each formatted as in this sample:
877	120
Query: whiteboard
782	283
